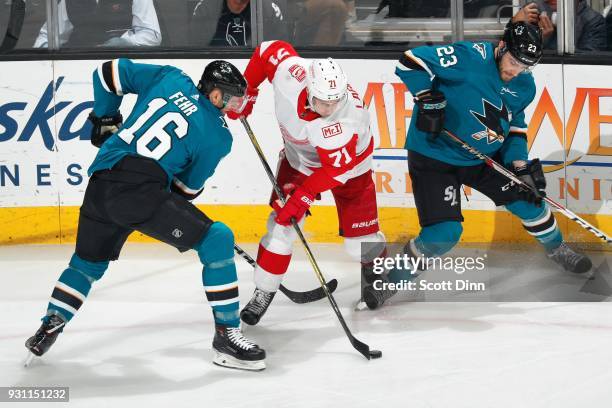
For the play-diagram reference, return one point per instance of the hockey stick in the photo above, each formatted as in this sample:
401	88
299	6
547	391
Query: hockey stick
510	175
361	347
15	23
296	297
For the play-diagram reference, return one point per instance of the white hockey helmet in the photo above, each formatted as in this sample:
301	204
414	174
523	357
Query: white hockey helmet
325	81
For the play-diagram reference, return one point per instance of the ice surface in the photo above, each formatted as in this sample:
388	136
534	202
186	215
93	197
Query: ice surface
143	338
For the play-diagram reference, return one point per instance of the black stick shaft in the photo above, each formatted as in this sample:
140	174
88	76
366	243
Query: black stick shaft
510	175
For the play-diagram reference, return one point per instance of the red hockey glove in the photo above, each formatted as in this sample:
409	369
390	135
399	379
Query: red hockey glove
251	98
296	206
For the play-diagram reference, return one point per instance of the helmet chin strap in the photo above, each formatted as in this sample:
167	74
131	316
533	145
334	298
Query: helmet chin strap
500	53
309	99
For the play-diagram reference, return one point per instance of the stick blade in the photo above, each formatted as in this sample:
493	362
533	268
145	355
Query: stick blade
361	347
310	295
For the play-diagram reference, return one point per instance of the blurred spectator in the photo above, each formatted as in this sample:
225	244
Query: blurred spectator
529	13
320	22
486	8
415	8
228	22
441	8
608	18
589	29
108	23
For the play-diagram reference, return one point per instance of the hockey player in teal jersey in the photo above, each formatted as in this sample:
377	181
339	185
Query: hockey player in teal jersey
479	92
145	173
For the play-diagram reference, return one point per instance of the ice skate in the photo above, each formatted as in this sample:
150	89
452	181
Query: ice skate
257	306
569	259
233	350
44	337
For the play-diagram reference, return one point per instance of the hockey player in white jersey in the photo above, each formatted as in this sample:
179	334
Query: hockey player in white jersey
328	146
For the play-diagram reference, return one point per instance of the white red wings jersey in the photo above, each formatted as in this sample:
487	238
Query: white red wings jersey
341	143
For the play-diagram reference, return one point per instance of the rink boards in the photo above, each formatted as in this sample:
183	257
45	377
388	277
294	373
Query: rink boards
45	152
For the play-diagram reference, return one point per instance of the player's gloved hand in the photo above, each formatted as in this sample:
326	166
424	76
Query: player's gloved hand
296	206
251	96
532	174
103	127
430	116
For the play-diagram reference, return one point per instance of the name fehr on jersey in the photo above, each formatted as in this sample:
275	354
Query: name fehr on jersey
482	109
342	141
171	122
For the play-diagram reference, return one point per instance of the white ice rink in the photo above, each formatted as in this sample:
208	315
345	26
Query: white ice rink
143	339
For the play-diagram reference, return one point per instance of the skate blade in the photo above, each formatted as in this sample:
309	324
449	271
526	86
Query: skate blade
225	360
360	306
29	359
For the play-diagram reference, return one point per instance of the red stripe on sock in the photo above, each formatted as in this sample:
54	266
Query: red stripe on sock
275	264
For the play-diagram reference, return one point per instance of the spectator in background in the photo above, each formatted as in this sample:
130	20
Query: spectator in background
320	22
108	23
415	8
590	26
529	13
227	23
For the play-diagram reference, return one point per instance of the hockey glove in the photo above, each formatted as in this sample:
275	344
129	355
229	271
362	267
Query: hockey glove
430	116
103	127
532	174
296	206
251	97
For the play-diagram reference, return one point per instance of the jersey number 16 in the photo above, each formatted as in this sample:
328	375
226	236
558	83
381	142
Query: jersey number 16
155	142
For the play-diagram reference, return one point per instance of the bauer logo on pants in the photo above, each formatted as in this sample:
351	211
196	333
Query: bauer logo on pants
365	224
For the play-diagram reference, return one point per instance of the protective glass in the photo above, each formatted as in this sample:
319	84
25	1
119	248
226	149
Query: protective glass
517	64
234	103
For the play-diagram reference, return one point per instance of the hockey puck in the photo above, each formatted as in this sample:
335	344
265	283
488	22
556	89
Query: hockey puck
375	354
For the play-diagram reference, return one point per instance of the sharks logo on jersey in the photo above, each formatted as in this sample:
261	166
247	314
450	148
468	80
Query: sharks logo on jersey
480	47
223	122
491	119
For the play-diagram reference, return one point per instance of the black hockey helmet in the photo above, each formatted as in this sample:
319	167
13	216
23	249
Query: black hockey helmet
523	41
225	76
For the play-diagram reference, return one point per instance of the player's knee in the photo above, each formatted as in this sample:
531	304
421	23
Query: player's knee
277	232
525	210
93	271
365	248
218	243
280	239
450	233
437	239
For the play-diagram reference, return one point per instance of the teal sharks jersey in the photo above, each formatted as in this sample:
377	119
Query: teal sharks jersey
171	122
482	110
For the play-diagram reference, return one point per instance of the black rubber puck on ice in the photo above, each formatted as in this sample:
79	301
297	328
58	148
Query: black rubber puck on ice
375	354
